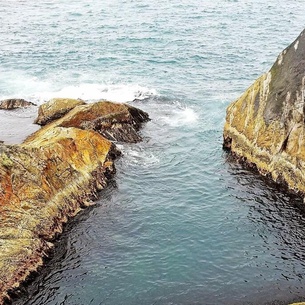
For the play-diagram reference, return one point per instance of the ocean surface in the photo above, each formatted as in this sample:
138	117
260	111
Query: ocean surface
182	223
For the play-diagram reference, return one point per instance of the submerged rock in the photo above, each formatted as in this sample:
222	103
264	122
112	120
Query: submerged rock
55	109
50	177
265	127
15	103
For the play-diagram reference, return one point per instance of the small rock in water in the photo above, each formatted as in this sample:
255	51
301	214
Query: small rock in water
15	103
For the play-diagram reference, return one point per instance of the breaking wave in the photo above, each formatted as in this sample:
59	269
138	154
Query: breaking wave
92	92
17	84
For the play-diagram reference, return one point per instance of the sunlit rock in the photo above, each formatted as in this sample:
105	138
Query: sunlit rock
265	127
55	109
50	177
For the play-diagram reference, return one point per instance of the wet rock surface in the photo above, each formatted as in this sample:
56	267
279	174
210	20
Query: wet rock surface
265	127
50	177
11	104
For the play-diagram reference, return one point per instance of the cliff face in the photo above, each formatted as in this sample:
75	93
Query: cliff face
51	176
266	125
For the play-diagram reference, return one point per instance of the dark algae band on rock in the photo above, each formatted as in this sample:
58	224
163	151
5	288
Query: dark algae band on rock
265	127
52	175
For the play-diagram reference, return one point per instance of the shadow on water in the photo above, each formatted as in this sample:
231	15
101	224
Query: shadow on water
278	218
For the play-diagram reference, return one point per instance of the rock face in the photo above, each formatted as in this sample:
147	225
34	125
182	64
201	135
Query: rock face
265	127
10	104
50	177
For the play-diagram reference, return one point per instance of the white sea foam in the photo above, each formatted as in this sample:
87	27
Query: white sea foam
92	92
181	116
16	84
135	154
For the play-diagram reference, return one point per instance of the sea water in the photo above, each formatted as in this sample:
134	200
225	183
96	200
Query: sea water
182	223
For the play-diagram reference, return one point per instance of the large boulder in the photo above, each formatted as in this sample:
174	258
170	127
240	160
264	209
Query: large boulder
48	178
265	127
116	122
55	109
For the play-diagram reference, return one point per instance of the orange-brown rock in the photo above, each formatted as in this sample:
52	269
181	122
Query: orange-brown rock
116	122
55	109
47	179
266	125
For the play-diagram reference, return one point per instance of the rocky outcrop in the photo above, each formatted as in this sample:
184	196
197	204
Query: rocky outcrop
50	177
265	127
10	104
116	122
55	109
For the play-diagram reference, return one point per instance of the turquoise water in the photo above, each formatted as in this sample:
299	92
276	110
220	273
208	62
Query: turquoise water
182	224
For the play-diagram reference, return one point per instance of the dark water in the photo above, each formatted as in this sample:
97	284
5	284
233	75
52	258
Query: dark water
182	224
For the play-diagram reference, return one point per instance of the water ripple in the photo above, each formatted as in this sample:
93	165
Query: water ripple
182	224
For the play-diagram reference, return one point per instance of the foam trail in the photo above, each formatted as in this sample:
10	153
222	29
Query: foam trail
182	116
135	154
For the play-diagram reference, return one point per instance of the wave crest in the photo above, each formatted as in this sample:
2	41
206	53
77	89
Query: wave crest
91	92
19	85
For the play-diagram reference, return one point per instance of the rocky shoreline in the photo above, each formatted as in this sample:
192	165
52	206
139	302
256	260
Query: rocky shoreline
53	174
265	127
